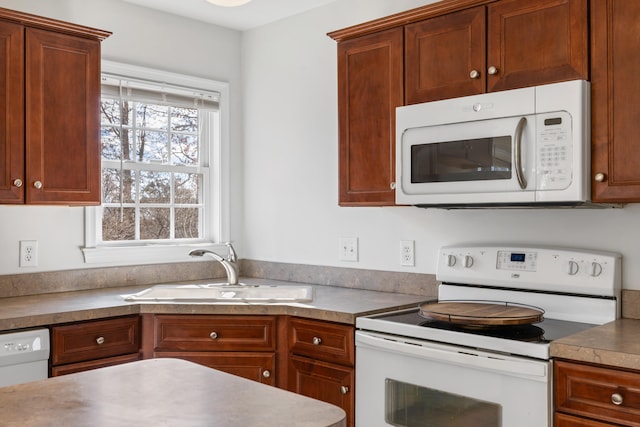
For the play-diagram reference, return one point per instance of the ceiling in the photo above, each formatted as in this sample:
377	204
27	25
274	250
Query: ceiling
245	17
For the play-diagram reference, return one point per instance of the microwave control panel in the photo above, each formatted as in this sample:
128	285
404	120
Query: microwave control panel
554	156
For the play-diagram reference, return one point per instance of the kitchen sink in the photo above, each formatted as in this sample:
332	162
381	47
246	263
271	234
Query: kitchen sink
218	292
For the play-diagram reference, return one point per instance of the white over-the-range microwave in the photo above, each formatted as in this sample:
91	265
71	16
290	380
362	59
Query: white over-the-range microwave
519	147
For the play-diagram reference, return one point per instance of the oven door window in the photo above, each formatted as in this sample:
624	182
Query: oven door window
478	159
409	405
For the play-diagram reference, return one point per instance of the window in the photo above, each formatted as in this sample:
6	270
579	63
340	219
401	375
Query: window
162	181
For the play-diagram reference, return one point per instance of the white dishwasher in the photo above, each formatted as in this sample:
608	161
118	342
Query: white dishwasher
24	356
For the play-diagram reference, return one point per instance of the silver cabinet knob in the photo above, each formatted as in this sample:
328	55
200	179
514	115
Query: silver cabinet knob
492	70
213	335
37	184
100	340
17	182
616	399
317	340
344	389
474	74
266	373
599	177
392	185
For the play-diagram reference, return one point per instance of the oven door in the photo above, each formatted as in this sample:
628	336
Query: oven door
409	383
485	161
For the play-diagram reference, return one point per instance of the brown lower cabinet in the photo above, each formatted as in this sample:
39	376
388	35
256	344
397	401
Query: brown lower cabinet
82	346
594	395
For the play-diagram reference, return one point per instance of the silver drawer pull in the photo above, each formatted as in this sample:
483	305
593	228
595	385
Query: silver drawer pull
266	374
100	340
213	335
616	399
37	184
317	340
344	389
17	182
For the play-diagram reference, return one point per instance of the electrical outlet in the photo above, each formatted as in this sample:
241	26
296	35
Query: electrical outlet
348	249
407	254
28	253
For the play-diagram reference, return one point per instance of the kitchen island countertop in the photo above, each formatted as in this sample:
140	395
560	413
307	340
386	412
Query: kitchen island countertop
615	344
160	392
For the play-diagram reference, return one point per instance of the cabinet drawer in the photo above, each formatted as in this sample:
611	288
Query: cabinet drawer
590	391
260	367
94	340
56	371
215	333
563	420
321	340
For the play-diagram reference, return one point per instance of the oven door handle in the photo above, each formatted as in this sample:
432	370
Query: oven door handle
428	351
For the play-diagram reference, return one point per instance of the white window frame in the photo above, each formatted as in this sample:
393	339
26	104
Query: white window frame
217	228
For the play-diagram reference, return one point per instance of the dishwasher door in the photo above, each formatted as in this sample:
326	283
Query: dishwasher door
24	356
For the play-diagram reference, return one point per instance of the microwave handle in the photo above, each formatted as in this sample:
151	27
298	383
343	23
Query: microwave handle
518	153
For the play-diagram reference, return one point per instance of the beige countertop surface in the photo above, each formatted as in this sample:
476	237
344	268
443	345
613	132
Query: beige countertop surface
614	344
160	392
330	303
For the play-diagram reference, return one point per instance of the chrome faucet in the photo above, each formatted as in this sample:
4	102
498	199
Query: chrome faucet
230	264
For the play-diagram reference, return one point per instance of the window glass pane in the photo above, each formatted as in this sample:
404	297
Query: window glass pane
152	146
184	120
117	225
110	112
187	223
112	179
155	223
152	116
184	149
187	188
155	187
110	137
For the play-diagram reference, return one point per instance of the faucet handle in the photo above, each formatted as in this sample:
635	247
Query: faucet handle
232	253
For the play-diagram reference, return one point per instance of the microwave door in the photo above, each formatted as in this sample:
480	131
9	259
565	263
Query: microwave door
487	161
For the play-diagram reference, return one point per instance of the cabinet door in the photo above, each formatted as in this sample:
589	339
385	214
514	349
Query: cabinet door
370	87
536	42
445	56
11	112
260	367
615	95
62	116
323	381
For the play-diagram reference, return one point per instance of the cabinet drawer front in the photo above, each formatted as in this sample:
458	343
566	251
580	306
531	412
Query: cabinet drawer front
260	367
562	420
56	371
322	340
215	333
94	340
590	391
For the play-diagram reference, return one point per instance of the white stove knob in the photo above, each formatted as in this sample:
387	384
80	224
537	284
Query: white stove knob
573	268
451	260
596	269
468	261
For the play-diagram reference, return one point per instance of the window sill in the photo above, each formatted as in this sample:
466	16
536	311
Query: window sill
145	254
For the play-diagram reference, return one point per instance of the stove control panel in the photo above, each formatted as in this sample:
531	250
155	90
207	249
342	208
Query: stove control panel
553	269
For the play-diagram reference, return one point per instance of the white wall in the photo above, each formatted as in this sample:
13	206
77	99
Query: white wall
291	164
140	37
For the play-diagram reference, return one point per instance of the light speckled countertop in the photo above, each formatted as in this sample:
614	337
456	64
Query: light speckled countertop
330	303
614	344
160	392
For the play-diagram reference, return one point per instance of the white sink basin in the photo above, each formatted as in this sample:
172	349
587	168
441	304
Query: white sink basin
216	292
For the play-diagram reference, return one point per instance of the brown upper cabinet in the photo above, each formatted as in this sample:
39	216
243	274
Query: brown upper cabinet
504	45
49	111
615	101
442	50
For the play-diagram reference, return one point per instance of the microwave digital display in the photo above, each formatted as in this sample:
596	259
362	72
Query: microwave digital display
478	159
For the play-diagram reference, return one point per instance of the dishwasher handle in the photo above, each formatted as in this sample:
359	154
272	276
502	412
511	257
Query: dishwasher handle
538	370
